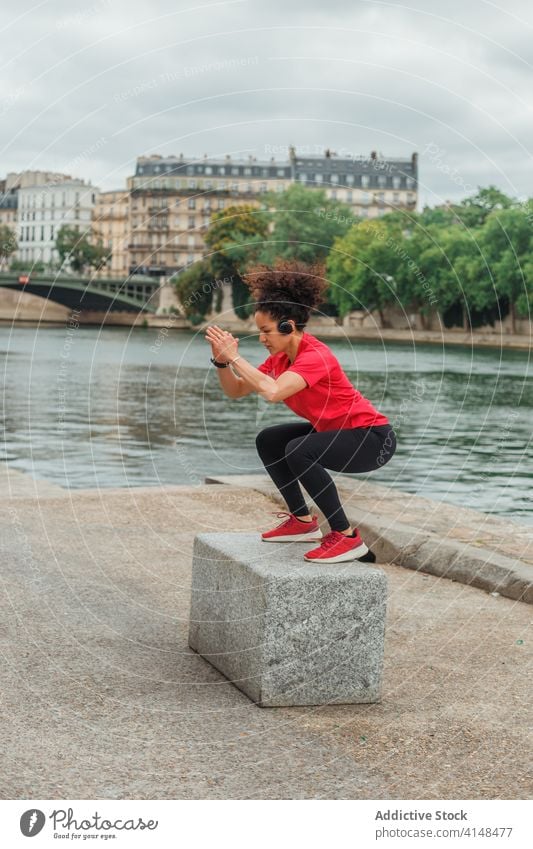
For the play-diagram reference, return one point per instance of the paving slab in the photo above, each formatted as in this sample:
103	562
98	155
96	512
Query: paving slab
103	699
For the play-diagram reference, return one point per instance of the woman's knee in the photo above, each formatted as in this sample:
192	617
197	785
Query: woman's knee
266	439
297	451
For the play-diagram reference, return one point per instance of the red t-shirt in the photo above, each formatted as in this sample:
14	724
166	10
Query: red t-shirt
329	401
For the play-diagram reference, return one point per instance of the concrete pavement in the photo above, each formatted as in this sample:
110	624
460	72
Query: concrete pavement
102	698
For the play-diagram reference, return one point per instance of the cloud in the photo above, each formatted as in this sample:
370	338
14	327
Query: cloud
173	77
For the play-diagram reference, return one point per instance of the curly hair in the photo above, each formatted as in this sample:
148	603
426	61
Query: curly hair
287	289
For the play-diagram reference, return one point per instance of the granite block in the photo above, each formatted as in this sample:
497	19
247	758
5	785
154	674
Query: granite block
285	631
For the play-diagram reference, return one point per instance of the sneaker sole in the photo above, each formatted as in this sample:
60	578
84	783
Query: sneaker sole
355	554
309	537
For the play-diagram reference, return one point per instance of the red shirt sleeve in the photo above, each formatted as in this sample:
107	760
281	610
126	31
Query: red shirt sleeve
311	365
266	367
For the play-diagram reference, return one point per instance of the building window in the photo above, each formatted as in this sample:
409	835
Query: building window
318	178
208	169
247	172
190	241
221	203
234	187
191	222
221	170
235	171
334	178
349	180
281	172
222	184
333	194
263	187
365	181
365	197
349	196
302	177
410	183
42	234
191	203
192	184
190	170
396	182
396	197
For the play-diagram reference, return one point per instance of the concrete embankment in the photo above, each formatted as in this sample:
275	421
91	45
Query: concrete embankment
23	309
102	698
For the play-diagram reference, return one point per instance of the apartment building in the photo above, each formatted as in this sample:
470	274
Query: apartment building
171	199
43	209
111	226
8	207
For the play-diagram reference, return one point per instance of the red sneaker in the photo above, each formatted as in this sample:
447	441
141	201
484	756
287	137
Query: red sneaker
337	548
293	530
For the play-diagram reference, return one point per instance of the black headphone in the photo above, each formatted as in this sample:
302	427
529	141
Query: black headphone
284	326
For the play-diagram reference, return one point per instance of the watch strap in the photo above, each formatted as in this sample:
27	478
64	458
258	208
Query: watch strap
218	365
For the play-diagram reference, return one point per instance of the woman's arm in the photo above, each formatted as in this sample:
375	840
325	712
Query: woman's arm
232	385
269	388
251	378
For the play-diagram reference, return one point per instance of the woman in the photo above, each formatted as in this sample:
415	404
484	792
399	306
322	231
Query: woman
342	432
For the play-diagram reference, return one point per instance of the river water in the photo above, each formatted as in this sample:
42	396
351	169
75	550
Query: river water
91	407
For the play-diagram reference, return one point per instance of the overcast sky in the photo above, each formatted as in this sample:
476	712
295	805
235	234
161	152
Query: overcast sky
86	87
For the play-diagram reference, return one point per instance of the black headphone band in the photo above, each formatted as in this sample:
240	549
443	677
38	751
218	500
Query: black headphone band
284	326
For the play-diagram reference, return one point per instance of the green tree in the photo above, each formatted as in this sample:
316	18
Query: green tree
474	211
35	266
235	238
506	243
8	244
362	266
444	270
80	253
304	224
194	287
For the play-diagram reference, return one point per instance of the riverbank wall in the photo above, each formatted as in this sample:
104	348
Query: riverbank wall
24	309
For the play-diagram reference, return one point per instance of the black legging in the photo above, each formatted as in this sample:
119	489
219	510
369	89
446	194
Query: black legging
296	452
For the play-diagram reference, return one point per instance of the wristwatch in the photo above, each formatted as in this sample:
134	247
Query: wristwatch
218	365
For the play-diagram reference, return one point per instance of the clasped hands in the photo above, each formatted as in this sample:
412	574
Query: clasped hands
223	344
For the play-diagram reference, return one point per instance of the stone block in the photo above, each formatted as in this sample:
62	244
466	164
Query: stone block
285	631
